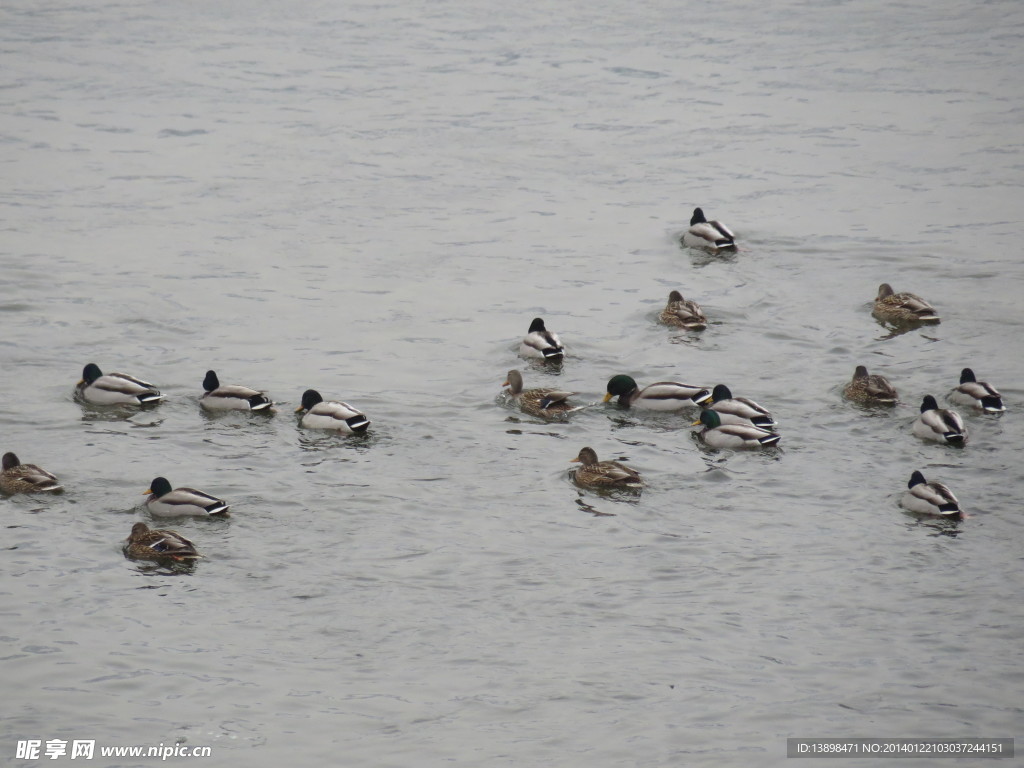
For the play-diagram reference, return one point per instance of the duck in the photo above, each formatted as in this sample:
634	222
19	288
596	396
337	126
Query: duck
115	388
702	233
739	410
872	389
330	414
144	543
977	394
902	307
930	498
719	435
181	502
25	478
603	474
940	424
659	396
683	313
547	403
231	397
540	343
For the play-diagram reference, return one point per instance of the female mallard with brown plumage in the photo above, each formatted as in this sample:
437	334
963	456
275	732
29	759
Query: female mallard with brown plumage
546	403
902	308
683	313
25	478
603	474
146	544
870	389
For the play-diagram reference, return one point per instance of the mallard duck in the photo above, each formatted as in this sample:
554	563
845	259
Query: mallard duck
683	313
719	435
115	388
902	307
231	397
739	410
540	343
181	502
330	414
930	498
25	478
707	234
977	394
547	403
604	474
940	424
660	396
145	544
871	389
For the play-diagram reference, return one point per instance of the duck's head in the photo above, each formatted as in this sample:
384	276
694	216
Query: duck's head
721	392
10	461
967	376
619	385
861	372
514	382
309	398
138	531
915	479
90	373
211	382
709	419
698	217
587	457
159	487
537	325
675	296
884	290
929	404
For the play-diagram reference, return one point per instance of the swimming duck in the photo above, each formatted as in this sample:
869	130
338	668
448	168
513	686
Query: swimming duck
940	424
604	474
739	410
231	397
115	388
181	501
870	389
930	498
330	414
707	234
25	478
719	435
977	394
547	403
145	544
683	313
660	396
902	307
540	343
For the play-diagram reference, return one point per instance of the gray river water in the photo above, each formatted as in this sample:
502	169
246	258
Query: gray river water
374	200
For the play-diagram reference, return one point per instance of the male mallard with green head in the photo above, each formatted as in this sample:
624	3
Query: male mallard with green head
145	544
